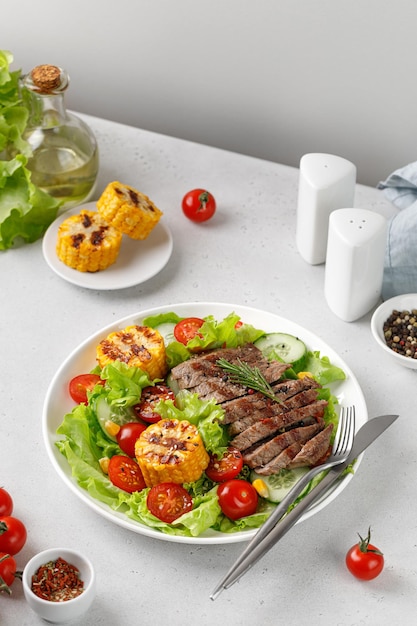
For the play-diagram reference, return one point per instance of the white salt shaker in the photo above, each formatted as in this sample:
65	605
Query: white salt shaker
327	182
354	262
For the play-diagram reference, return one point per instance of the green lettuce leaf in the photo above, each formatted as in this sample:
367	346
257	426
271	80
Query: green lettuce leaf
25	210
206	415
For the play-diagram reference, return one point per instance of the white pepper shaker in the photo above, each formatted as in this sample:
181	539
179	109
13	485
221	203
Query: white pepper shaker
354	262
327	182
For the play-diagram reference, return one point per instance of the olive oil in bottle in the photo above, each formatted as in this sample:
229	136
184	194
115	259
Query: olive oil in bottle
64	160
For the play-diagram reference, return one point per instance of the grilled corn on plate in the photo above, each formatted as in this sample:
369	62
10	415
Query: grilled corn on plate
87	243
128	210
171	451
137	346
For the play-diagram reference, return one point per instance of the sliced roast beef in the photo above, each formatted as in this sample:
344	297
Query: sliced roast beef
263	453
258	405
268	427
314	450
203	376
269	409
281	461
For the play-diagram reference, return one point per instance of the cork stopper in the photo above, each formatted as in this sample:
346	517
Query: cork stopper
46	78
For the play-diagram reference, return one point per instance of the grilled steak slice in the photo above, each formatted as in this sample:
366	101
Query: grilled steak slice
263	453
258	405
281	461
264	409
314	450
268	427
203	376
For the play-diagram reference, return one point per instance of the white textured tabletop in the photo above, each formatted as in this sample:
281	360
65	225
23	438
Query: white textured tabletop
245	255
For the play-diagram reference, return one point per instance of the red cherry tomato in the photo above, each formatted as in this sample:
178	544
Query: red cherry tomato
187	329
79	386
149	399
7	571
237	498
168	501
364	560
199	205
125	473
6	502
226	468
128	435
12	534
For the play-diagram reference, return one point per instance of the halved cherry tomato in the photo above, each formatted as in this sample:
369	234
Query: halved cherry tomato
125	473
79	386
168	501
237	498
364	560
187	329
149	399
12	534
6	502
226	468
128	435
7	571
199	205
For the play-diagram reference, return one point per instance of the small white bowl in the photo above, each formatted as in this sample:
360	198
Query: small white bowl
405	302
60	612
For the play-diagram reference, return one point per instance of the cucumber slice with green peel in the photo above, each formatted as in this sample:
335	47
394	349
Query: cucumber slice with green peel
167	331
283	346
119	415
278	485
173	384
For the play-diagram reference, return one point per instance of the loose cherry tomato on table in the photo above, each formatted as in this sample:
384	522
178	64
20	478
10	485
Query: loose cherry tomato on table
226	468
364	560
7	572
149	399
199	205
79	385
187	329
128	435
125	473
12	534
168	501
237	498
6	502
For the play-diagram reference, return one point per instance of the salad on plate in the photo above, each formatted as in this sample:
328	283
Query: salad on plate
164	442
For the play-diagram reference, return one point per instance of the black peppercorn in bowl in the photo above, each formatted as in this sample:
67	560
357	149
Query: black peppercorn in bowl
394	327
59	584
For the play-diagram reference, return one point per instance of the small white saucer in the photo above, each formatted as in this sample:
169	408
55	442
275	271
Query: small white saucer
137	261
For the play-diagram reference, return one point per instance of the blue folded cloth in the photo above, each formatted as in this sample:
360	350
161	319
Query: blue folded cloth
400	267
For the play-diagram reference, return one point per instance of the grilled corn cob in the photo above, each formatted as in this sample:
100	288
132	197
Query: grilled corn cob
171	451
138	346
87	243
128	210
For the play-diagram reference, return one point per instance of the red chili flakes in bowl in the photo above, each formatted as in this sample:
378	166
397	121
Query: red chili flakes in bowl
57	581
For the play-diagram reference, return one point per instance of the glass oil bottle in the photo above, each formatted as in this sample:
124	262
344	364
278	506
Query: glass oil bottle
64	160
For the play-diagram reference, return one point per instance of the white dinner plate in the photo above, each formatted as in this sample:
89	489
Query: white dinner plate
83	359
137	261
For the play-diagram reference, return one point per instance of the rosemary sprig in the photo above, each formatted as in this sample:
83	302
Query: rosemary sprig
243	374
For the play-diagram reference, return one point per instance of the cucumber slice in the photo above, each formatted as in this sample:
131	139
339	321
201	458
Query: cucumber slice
105	413
173	384
285	347
167	331
278	485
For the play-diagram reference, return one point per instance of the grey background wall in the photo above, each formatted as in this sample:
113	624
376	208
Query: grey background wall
270	78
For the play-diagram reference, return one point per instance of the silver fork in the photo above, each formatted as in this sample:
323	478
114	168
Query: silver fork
342	447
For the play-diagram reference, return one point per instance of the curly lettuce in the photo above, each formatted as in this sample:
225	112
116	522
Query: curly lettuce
25	210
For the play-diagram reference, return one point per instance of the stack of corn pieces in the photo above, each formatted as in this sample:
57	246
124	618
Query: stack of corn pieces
170	450
90	241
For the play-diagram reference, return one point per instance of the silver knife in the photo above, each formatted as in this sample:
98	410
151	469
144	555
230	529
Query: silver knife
256	549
